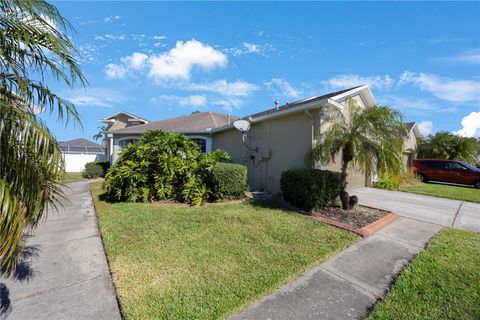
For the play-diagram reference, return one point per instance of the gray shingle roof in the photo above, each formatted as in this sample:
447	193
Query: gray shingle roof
81	145
193	123
296	103
409	125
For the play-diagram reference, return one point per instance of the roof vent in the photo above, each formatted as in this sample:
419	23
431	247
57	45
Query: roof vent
277	104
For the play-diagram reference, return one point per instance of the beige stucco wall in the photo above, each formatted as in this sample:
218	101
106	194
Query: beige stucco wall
281	142
286	139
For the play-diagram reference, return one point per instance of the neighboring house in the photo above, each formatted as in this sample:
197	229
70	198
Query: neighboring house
79	152
198	126
277	140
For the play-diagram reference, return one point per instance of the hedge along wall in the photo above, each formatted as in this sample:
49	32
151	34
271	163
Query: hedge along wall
229	181
310	189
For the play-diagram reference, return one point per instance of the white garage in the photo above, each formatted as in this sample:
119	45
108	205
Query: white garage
79	152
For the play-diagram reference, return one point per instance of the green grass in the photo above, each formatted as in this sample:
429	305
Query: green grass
206	262
445	191
443	282
73	177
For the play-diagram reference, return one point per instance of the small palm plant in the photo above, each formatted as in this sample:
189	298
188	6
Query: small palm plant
33	48
101	133
366	137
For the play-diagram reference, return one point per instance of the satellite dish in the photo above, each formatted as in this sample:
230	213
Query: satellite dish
242	125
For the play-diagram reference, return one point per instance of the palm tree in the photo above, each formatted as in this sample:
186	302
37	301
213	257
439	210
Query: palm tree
34	47
101	133
446	145
366	137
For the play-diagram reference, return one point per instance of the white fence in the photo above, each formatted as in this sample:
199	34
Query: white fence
76	162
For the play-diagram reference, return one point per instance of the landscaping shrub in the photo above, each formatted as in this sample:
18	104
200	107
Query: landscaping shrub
310	189
228	181
394	181
105	165
386	184
162	166
92	170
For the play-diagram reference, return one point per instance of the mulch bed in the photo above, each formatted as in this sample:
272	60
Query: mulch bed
358	217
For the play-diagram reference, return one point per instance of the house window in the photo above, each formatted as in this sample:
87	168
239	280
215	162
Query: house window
126	142
201	143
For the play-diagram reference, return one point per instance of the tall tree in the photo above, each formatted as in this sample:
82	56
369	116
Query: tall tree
448	146
366	138
34	48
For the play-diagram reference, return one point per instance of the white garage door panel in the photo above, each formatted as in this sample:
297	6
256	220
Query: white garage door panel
76	162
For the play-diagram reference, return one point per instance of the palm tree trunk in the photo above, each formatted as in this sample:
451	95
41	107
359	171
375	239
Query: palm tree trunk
344	196
347	156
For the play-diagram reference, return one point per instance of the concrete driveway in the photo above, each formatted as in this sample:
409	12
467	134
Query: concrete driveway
64	274
444	212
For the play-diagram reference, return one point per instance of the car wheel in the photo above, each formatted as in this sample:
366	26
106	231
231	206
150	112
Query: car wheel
421	177
476	184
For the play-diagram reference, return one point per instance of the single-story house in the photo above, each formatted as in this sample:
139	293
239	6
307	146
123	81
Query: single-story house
78	152
278	138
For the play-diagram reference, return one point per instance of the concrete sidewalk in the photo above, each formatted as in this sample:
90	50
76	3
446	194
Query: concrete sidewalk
65	275
346	286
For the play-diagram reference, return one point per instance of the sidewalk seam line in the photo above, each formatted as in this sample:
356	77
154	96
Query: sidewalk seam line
349	281
53	289
400	240
456	213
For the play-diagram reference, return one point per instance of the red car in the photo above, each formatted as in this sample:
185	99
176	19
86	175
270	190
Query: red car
451	171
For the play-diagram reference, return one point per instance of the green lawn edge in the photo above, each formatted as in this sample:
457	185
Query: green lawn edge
442	282
445	191
249	260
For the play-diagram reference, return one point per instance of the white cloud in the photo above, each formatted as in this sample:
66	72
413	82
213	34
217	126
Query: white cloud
111	18
89	101
228	104
159	37
115	71
223	87
111	37
403	103
443	87
470	125
470	58
344	81
425	127
280	87
251	47
193	100
136	61
178	62
96	97
175	64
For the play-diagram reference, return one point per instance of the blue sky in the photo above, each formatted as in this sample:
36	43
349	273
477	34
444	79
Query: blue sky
160	60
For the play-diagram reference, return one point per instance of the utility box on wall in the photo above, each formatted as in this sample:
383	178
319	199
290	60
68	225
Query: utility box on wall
266	154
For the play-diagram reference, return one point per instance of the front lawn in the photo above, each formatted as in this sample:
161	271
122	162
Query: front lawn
443	282
73	177
206	262
445	191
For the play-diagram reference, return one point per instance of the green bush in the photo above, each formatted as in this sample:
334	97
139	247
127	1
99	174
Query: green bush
105	165
92	170
161	166
228	181
387	184
310	189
